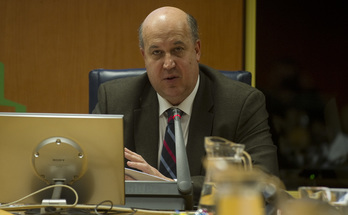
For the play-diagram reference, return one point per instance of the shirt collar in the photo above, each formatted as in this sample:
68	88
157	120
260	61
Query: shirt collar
185	106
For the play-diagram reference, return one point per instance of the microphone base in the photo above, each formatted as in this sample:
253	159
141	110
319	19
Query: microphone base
156	195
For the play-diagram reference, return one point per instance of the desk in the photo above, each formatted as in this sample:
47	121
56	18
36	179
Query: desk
294	193
89	209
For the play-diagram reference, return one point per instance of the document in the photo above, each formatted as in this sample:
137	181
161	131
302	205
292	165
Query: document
142	176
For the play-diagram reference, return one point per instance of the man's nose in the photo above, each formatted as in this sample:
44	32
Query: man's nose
168	62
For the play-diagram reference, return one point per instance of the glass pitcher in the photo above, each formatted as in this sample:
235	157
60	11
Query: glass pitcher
239	192
221	155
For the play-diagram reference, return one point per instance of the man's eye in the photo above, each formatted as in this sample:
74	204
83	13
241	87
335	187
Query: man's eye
156	52
178	49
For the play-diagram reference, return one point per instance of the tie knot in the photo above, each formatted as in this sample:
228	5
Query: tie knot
174	112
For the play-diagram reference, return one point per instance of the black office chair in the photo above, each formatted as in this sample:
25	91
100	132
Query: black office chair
99	76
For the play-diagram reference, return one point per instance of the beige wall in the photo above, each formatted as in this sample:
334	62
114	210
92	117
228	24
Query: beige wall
49	46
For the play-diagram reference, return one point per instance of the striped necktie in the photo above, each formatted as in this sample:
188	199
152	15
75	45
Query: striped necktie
168	155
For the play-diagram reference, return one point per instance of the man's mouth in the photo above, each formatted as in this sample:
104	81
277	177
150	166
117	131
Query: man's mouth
170	78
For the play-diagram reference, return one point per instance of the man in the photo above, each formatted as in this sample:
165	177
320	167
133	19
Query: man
213	104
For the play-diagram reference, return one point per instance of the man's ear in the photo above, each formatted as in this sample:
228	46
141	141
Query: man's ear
198	50
142	52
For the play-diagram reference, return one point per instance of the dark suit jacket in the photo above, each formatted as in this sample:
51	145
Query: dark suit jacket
222	107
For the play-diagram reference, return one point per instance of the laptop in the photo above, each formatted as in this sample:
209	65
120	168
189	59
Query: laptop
30	149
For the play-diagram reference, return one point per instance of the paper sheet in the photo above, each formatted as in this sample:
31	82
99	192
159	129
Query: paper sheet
141	176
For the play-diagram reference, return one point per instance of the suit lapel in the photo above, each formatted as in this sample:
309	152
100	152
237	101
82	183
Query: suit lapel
146	127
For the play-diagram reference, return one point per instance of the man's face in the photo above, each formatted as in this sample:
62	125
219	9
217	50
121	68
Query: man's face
171	59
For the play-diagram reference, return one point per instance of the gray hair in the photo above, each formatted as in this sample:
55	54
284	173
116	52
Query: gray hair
192	22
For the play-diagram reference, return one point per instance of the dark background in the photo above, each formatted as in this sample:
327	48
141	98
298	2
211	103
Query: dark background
301	65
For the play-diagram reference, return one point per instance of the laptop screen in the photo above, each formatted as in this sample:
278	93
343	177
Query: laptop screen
32	156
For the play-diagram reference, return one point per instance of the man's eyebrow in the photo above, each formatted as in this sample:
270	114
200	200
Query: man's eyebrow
179	42
153	47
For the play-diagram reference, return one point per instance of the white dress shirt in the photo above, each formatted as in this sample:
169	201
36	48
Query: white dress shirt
185	106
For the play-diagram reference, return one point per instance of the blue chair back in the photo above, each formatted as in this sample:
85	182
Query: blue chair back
99	76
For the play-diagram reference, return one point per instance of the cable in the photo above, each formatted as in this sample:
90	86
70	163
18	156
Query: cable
106	211
12	206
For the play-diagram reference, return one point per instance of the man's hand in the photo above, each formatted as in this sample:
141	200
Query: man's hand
136	161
